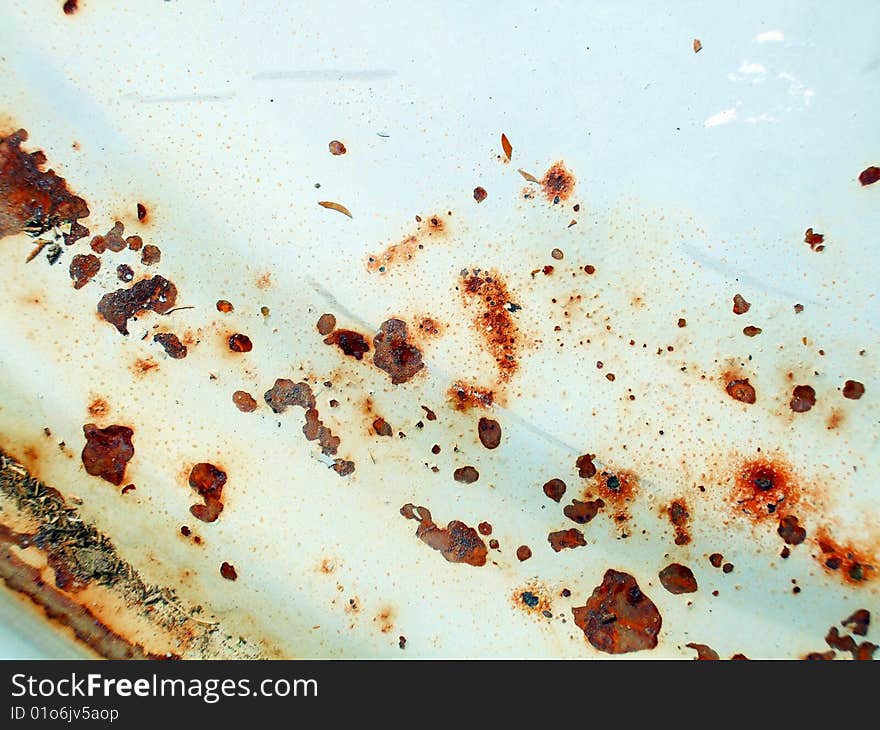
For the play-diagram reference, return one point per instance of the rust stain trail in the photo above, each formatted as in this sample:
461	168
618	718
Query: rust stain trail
326	75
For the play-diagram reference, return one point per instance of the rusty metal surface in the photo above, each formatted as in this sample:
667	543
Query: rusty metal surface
582	303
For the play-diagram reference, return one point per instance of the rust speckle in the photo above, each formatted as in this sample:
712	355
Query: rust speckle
464	396
264	281
803	398
207	480
619	618
156	294
489	432
457	542
618	488
764	488
227	570
143	365
244	401
679	516
393	354
82	268
171	344
353	344
98	408
855	566
398	253
240	343
740	305
30	198
835	418
558	183
563	539
107	451
492	318
853	389
677	578
741	389
326	324
869	175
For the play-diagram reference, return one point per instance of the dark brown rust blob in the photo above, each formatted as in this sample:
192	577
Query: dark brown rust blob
764	489
142	212
790	531
704	652
858	623
523	553
466	475
244	401
558	183
803	398
107	451
458	543
814	240
353	344
815	656
343	467
619	618
31	198
156	294
124	273
150	255
843	643
741	390
224	306
586	468
583	512
869	175
208	481
740	305
853	389
480	194
752	331
393	354
677	578
484	528
381	427
337	148
240	343
563	539
679	517
853	565
113	240
492	319
464	396
315	430
172	345
70	7
227	570
555	489
489	432
326	324
286	393
716	559
83	267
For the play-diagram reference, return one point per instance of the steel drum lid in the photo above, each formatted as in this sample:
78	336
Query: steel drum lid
600	378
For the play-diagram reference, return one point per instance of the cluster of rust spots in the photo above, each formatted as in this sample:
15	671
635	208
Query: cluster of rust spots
156	294
858	623
457	542
558	183
208	481
679	516
618	618
803	398
489	432
764	489
566	539
583	512
585	467
107	451
394	354
172	345
740	305
285	393
740	389
82	268
466	475
408	248
488	293
115	241
31	198
464	396
352	343
677	578
814	240
853	565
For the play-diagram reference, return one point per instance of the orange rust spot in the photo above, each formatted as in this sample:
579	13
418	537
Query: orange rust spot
533	598
457	542
834	420
492	319
764	489
98	408
405	250
558	183
385	619
679	516
739	388
264	281
143	365
464	396
429	326
617	487
854	565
